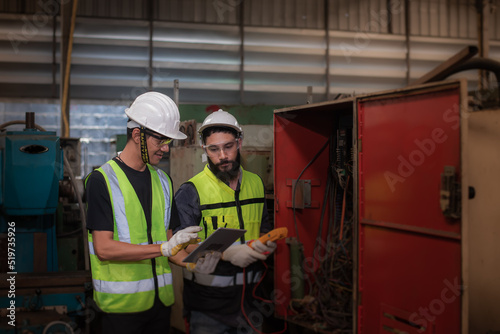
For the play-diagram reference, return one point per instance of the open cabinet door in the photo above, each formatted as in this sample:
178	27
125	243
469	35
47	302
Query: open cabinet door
481	232
409	249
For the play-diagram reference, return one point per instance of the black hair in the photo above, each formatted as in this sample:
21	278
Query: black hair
129	133
214	129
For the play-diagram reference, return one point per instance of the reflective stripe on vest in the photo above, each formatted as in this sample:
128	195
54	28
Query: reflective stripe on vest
221	206
127	287
221	281
118	204
165	184
122	286
119	201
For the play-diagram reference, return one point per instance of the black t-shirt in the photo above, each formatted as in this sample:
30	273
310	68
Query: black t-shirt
99	210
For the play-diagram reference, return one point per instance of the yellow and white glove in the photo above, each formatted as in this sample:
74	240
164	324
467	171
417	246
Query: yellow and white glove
242	255
205	264
181	240
265	249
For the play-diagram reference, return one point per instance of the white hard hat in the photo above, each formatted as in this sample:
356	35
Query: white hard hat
221	118
156	112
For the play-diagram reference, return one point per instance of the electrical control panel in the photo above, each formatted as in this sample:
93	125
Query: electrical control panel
387	200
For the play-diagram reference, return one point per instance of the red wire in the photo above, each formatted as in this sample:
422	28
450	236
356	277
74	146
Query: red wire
343	209
257	297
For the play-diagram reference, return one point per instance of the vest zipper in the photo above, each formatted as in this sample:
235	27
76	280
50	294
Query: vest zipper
240	214
205	227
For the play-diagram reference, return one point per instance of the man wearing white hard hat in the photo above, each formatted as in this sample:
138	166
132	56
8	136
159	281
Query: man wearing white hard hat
129	213
218	292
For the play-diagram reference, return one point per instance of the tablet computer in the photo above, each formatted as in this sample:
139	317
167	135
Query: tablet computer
218	241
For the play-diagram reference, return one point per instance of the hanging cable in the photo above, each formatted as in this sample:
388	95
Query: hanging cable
328	305
259	298
343	210
317	249
295	188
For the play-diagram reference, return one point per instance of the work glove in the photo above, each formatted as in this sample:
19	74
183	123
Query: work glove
181	240
265	249
205	264
242	255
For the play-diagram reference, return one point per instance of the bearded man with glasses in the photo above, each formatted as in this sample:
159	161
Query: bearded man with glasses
218	289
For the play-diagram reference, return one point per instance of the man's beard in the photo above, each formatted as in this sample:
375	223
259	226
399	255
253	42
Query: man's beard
231	174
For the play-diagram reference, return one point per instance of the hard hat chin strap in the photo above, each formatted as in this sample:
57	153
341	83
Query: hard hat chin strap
144	146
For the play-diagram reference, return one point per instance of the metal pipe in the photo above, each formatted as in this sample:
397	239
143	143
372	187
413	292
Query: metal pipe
150	58
54	54
296	274
388	4
30	120
407	36
478	63
482	8
327	53
444	68
176	92
242	53
67	70
6	124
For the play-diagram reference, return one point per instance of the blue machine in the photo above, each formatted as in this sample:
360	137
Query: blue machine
31	166
31	170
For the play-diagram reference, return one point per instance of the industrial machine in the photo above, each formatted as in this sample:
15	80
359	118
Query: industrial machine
35	296
389	200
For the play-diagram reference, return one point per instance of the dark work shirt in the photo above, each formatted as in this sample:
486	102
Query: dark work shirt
187	201
99	209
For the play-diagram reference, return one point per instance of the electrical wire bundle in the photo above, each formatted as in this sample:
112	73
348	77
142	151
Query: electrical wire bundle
329	303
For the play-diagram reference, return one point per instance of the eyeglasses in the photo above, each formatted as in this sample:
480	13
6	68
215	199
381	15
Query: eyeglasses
162	140
216	149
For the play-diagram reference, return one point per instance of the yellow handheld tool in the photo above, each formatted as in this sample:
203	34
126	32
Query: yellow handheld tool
276	234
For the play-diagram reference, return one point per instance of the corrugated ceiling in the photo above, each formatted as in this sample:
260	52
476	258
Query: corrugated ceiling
199	43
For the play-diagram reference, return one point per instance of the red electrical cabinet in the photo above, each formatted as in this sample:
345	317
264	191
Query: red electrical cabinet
391	202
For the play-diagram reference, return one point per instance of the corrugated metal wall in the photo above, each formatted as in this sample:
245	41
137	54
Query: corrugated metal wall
438	18
199	42
95	125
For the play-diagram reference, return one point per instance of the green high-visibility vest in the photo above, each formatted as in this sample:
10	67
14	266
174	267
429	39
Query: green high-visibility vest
221	206
123	286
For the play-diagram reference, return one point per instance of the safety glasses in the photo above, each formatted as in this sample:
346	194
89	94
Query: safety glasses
214	150
162	141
